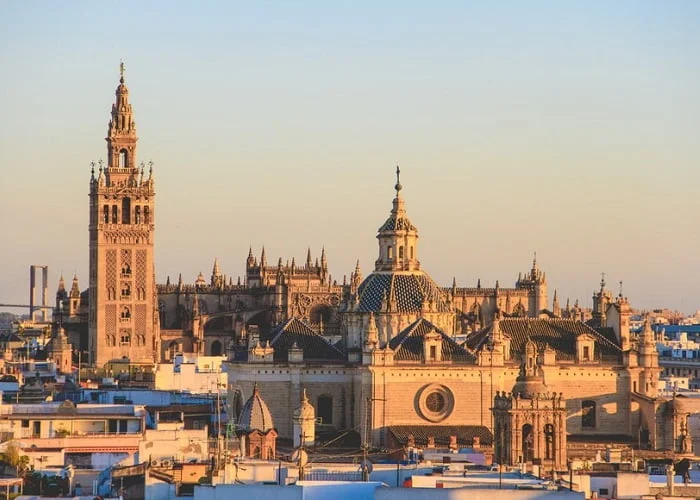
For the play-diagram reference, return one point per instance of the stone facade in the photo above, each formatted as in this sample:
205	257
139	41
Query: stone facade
122	320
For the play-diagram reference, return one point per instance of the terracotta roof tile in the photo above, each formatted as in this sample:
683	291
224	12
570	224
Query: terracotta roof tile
294	331
465	434
408	345
558	334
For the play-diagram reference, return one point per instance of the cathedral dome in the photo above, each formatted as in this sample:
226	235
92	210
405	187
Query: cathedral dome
401	291
528	387
255	415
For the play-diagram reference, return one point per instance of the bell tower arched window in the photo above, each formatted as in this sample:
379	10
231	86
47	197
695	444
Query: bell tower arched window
123	160
146	215
401	252
105	214
115	215
126	211
137	214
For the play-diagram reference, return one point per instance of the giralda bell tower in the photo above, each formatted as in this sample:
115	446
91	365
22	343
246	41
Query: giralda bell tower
123	321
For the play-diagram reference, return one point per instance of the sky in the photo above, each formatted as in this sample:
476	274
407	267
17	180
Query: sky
563	128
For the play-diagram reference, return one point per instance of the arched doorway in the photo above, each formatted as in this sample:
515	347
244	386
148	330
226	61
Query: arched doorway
216	348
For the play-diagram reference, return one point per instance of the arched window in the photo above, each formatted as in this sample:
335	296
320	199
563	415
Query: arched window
125	339
105	214
411	251
389	252
115	215
401	252
126	290
325	409
126	313
588	413
146	215
137	214
123	159
126	211
216	348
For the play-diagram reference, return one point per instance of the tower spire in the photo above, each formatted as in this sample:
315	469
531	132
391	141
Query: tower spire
121	132
398	238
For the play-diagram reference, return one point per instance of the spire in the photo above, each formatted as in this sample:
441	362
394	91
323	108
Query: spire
250	261
324	261
263	259
61	284
216	271
308	258
121	132
556	309
399	208
75	289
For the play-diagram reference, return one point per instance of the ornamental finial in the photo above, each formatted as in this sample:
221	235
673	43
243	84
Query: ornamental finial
121	71
398	181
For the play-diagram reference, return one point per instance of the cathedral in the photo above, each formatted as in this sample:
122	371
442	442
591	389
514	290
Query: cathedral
393	357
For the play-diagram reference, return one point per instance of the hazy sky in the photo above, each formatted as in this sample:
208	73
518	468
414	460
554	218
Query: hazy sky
566	128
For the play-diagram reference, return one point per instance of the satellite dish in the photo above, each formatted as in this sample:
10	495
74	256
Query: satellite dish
366	464
300	457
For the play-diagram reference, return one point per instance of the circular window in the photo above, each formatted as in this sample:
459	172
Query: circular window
435	402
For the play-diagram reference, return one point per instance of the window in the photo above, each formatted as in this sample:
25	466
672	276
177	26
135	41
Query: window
325	409
115	216
146	215
123	162
126	313
126	290
126	271
137	215
401	252
125	339
25	424
126	211
586	353
433	353
105	214
588	413
411	251
389	252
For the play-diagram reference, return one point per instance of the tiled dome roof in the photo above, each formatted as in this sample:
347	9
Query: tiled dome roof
255	414
409	291
397	223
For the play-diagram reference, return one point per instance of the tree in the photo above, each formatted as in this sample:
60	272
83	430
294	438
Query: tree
12	457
